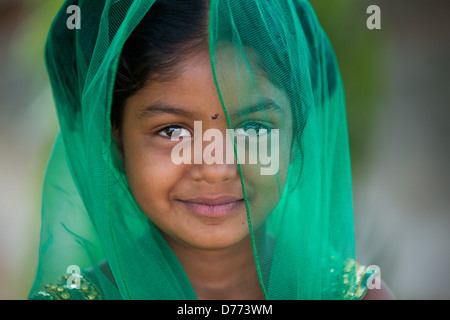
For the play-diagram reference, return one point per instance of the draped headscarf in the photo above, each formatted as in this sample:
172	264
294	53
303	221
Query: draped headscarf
299	214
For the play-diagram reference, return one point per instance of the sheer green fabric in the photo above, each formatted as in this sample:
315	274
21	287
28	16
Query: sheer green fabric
268	53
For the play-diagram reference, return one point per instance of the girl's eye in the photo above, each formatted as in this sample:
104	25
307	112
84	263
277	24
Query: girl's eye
253	129
174	131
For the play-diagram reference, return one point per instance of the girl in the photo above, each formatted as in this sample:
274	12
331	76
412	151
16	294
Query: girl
132	87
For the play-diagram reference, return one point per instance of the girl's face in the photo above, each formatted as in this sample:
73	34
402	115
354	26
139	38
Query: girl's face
198	204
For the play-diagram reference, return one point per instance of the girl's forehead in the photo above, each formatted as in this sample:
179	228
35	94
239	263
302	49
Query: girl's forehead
237	76
234	78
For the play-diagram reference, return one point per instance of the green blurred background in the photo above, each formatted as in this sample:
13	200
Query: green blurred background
398	104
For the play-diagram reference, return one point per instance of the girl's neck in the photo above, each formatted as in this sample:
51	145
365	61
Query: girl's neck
225	274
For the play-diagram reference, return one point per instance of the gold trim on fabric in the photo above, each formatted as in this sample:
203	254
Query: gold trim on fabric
355	278
88	290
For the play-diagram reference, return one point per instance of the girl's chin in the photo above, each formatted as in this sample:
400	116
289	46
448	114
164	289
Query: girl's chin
212	239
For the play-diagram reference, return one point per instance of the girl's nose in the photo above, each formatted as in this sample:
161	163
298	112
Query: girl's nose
213	159
214	173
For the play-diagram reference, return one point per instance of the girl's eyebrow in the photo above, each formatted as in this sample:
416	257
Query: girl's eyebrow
159	108
265	105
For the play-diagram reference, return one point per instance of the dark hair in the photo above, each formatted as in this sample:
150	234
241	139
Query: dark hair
156	45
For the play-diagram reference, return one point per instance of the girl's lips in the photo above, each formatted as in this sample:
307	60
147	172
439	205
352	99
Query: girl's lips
213	208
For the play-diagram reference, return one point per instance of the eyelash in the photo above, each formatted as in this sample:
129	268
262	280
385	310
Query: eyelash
260	126
172	126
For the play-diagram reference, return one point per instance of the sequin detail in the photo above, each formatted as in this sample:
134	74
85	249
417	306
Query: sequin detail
355	279
87	290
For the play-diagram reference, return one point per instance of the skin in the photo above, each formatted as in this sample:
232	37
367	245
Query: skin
216	252
384	293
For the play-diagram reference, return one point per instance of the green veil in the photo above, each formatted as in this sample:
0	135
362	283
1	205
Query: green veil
300	214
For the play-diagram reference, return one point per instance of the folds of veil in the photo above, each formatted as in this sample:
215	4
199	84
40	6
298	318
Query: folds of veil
269	56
